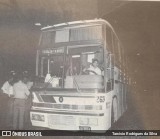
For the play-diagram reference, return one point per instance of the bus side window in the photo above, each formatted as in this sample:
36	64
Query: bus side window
109	43
117	51
109	60
110	73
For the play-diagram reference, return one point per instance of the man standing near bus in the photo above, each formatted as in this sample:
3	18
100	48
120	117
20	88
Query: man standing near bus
7	100
28	82
21	94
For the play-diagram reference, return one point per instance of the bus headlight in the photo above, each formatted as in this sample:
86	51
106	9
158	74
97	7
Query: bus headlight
83	121
38	117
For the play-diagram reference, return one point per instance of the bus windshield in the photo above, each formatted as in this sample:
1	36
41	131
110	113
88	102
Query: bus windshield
70	70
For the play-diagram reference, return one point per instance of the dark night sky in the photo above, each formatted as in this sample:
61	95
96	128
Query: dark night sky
137	25
19	36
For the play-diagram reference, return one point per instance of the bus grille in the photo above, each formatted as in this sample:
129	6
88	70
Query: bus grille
68	106
60	120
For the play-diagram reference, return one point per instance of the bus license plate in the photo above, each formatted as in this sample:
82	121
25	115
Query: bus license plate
84	128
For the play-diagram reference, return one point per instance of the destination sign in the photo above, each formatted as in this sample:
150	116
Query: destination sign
53	51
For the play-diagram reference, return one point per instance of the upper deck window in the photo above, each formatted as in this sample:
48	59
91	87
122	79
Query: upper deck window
86	33
62	36
47	39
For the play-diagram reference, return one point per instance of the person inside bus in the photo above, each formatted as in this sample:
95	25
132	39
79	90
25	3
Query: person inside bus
52	80
93	68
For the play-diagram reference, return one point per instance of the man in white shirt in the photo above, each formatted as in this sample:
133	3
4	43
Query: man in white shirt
29	83
7	100
7	87
94	69
21	94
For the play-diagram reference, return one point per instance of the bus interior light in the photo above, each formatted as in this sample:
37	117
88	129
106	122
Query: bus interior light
74	56
37	24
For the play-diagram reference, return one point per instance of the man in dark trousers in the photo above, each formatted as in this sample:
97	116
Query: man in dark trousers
27	80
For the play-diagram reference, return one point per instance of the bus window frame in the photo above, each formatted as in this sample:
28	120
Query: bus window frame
108	53
49	56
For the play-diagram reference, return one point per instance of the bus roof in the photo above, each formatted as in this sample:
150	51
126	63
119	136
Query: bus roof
76	23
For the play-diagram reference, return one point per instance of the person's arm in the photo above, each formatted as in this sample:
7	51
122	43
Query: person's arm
11	91
84	70
5	88
14	92
27	92
87	67
99	71
29	85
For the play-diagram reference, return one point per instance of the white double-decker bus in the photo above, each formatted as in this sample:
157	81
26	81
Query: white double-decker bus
67	98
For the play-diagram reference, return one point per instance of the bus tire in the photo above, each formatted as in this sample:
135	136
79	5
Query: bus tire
114	111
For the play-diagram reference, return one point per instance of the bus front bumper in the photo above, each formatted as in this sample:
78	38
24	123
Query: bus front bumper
72	121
